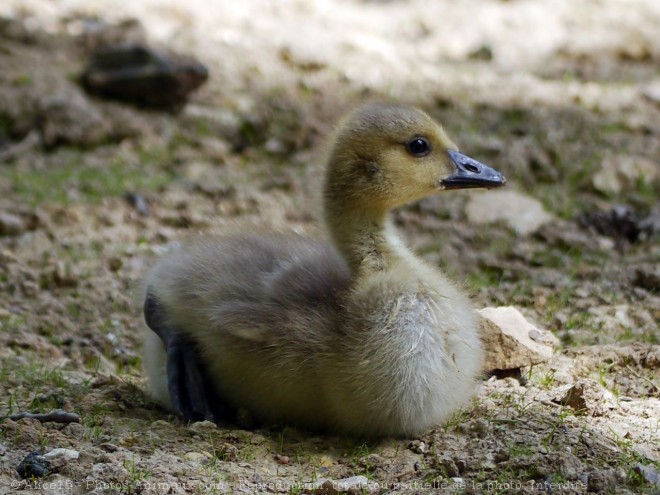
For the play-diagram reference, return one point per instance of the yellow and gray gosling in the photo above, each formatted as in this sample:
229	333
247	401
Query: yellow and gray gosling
352	335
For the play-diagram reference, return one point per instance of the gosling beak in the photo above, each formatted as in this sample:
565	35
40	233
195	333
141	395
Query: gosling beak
471	173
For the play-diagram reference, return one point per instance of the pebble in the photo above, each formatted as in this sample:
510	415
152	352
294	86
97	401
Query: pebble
74	430
649	473
418	447
601	481
202	427
448	465
109	447
587	396
137	74
139	202
523	214
622	172
11	225
60	453
34	465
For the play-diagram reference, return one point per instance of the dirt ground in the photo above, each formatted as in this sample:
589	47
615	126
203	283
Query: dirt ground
562	96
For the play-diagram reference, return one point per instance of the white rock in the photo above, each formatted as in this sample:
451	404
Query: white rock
67	454
510	341
611	318
652	91
523	214
202	427
622	172
11	224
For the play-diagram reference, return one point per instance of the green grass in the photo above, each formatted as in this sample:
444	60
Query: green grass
73	180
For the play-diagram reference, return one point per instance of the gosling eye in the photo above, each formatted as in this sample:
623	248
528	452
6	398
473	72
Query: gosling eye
418	146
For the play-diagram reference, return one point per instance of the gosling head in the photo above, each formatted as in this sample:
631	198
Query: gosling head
385	155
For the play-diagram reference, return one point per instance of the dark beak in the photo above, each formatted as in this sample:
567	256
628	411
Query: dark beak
471	173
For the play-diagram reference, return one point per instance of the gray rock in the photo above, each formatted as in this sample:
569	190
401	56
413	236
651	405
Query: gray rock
600	481
138	74
510	341
34	465
523	214
68	117
649	473
11	224
623	172
60	453
202	427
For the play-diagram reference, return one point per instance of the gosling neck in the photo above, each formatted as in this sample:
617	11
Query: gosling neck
367	239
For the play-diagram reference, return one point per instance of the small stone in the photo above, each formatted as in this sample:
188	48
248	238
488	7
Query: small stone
228	452
109	447
202	427
137	74
105	471
29	288
11	224
74	430
282	459
511	342
34	465
649	473
67	454
4	313
139	202
601	481
447	464
612	318
588	397
652	91
523	214
501	456
479	428
623	172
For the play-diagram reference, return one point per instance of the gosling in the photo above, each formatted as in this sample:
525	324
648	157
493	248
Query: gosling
355	336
